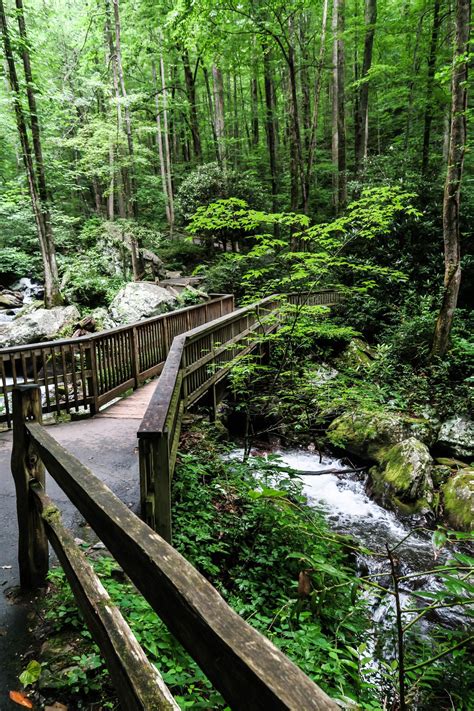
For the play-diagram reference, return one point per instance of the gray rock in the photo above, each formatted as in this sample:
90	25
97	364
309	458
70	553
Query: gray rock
358	354
404	474
139	300
10	299
456	437
37	326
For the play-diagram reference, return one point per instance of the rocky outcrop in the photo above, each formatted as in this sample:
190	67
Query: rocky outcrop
139	300
404	476
38	325
358	354
368	434
458	500
10	299
456	437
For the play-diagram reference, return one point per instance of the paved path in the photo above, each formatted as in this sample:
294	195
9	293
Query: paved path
107	444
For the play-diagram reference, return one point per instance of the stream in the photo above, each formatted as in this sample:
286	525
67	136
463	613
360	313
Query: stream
350	511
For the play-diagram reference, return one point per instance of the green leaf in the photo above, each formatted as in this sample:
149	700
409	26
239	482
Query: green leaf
31	674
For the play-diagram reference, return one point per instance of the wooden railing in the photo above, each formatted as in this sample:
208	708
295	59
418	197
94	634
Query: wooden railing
90	371
197	361
245	667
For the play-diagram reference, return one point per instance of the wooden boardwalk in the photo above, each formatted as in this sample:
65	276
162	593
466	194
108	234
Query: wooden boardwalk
132	407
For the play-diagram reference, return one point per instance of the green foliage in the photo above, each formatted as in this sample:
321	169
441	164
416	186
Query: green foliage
210	182
181	255
227	514
86	280
14	264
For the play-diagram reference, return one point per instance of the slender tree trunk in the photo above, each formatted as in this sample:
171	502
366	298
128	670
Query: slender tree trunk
219	121
316	101
212	117
296	151
110	197
132	207
40	207
338	108
362	115
190	83
159	143
123	195
167	155
452	188
270	122
429	88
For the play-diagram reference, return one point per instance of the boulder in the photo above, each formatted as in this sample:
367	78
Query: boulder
115	245
404	475
10	299
37	326
369	433
456	437
357	354
458	500
139	300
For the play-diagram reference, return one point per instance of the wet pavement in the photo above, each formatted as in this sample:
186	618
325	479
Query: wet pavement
108	447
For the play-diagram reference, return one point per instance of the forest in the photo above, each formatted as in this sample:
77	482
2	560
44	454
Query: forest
155	153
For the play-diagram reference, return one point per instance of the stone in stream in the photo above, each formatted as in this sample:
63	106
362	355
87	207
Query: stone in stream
139	300
10	299
456	437
36	326
369	433
458	500
404	476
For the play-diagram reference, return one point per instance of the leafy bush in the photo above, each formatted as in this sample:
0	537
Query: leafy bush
210	182
14	263
224	276
181	255
86	281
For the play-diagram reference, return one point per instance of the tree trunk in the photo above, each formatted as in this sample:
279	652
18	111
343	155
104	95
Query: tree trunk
270	122
452	188
362	115
338	108
190	81
159	143
296	152
40	207
167	155
219	121
123	196
212	118
429	88
317	94
132	207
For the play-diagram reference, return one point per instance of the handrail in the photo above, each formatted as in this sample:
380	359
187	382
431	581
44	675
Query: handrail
89	371
247	669
197	362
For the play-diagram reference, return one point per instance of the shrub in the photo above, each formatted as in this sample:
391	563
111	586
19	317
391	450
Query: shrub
181	255
209	182
14	263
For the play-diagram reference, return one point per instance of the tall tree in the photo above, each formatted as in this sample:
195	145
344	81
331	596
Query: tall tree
452	188
362	114
219	120
35	174
338	107
429	87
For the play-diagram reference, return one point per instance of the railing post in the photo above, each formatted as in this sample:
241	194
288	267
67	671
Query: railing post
155	483
135	354
25	464
92	380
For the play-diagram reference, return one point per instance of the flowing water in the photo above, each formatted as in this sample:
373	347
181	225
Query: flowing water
349	510
30	291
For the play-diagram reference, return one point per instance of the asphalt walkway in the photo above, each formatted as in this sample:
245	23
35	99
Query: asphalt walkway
107	444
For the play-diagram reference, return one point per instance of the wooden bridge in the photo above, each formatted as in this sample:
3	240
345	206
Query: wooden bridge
243	665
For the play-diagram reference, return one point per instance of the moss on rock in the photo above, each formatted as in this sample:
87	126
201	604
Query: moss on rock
403	476
458	500
370	433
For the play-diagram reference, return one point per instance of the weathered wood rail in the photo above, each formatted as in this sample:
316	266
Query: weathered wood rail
197	362
245	667
90	371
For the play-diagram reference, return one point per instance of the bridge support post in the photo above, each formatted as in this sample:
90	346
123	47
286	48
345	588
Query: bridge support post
155	483
26	466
